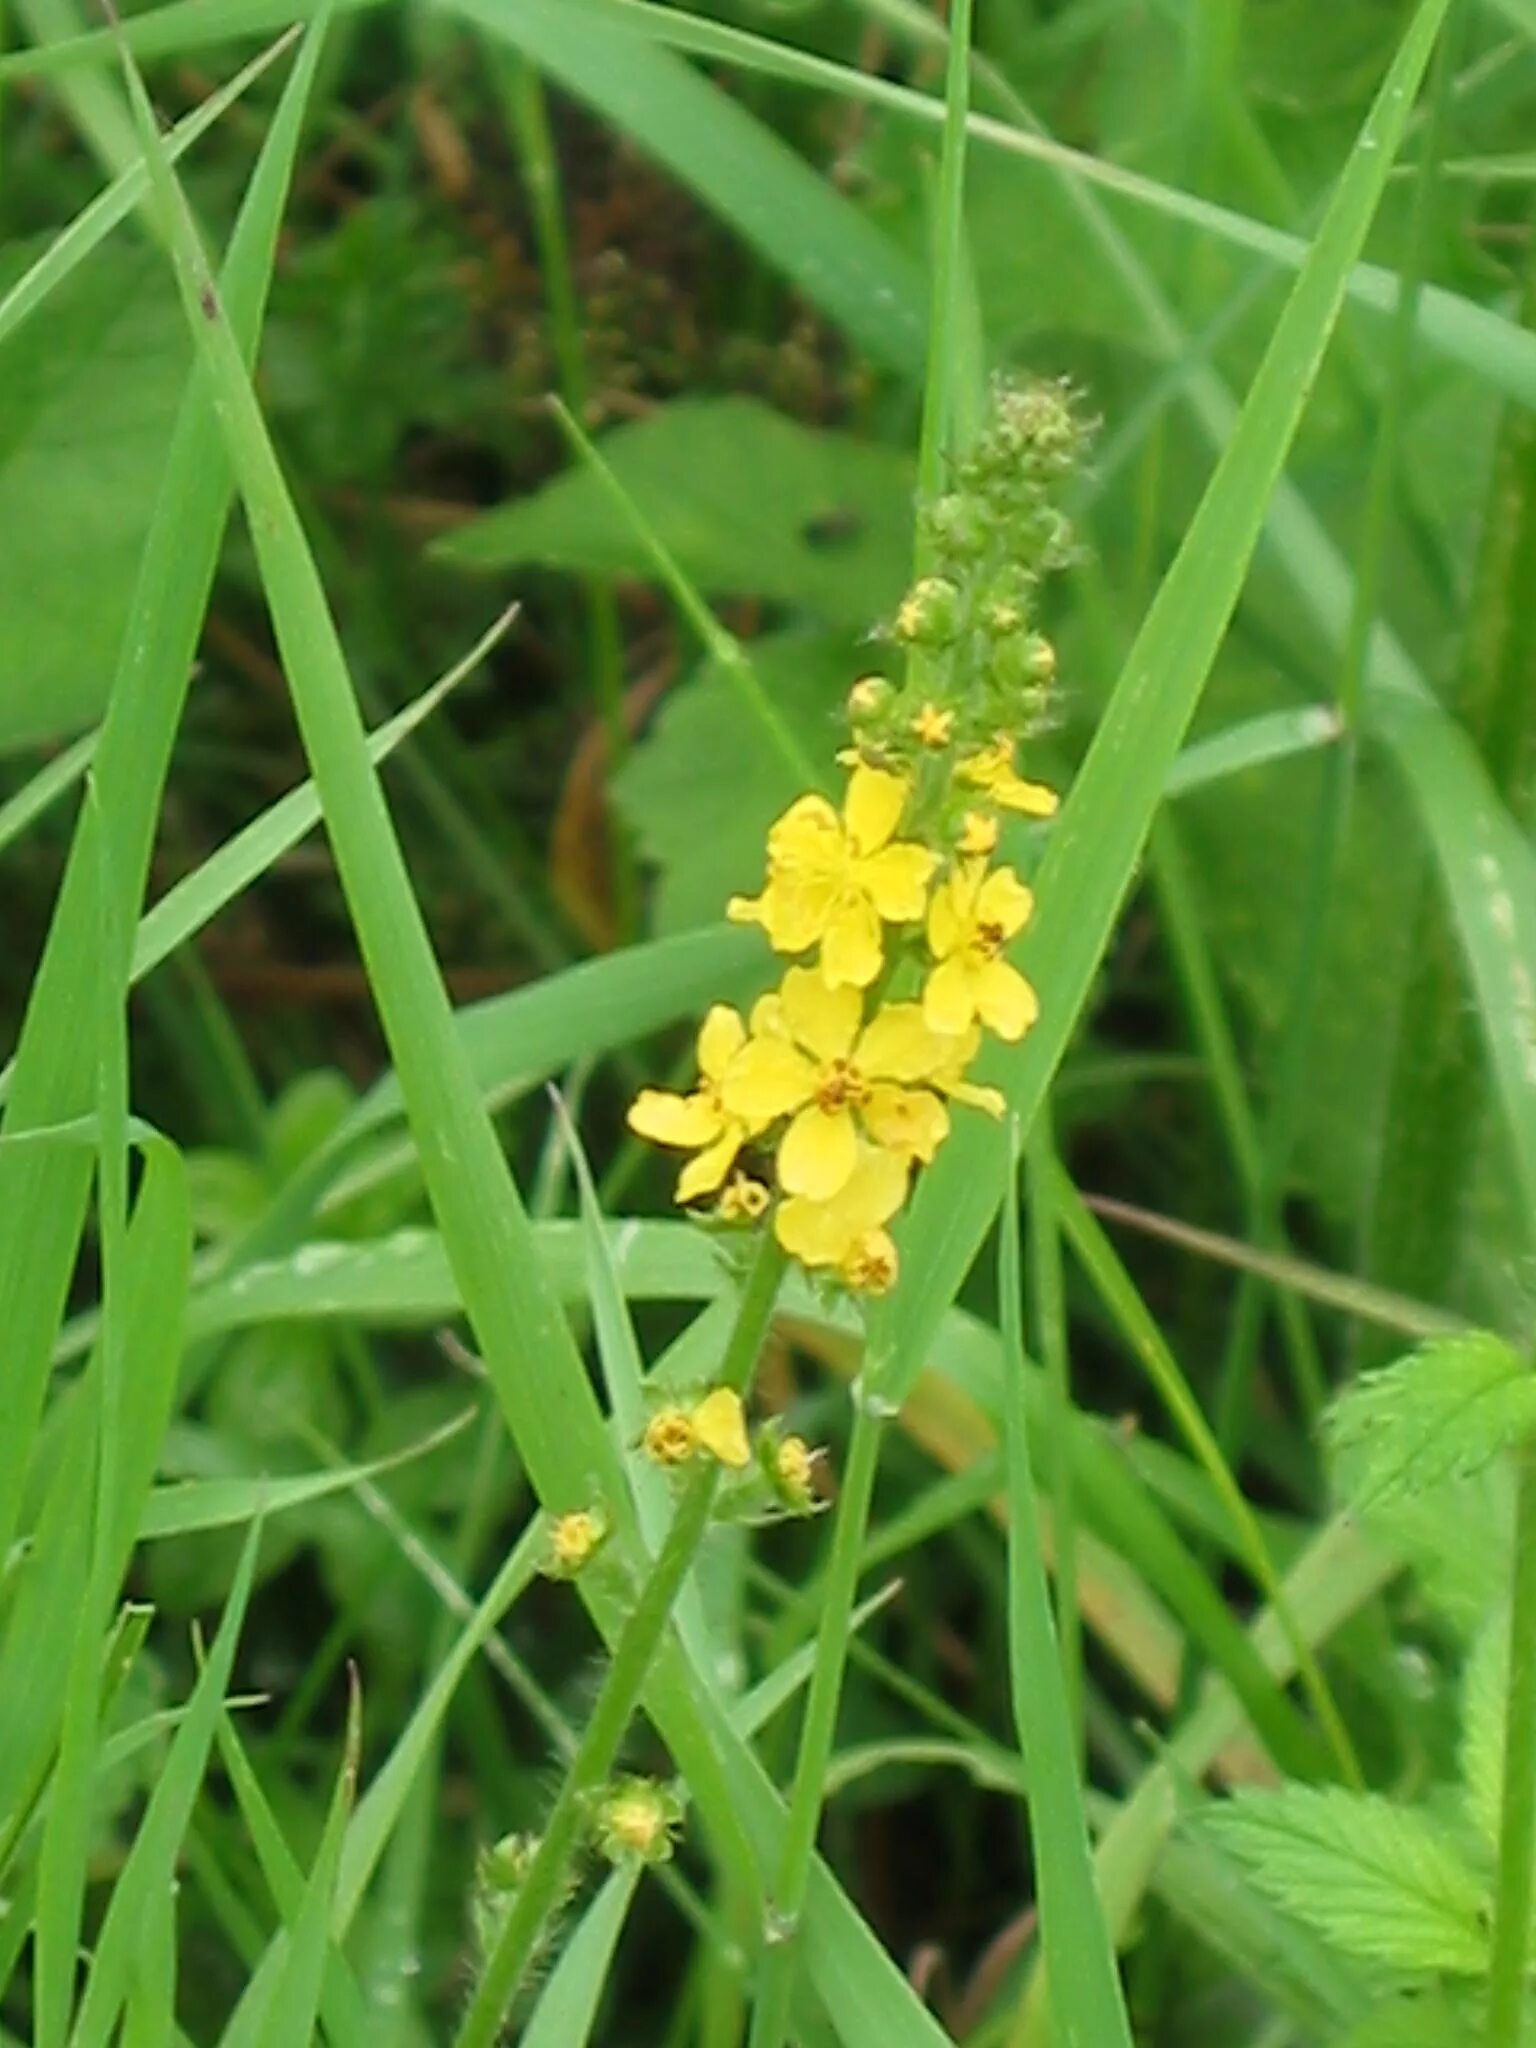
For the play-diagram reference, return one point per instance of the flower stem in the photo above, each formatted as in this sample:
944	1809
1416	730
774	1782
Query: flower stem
1517	1819
770	2018
621	1688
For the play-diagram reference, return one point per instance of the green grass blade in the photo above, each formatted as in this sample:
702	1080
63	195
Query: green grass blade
200	1504
151	1861
1104	823
43	1190
94	223
17	813
296	1999
215	883
567	2009
1087	2002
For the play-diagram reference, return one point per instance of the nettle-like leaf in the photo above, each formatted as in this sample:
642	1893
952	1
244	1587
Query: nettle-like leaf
1428	2021
1444	1412
1379	1881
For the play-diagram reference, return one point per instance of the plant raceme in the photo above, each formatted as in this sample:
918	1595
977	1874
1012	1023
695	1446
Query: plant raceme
816	1109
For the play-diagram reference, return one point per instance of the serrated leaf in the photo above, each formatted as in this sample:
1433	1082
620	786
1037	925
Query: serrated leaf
1380	1881
748	502
1444	1412
1409	2022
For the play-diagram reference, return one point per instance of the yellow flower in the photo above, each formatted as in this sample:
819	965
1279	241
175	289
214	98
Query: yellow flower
848	1232
717	1424
978	833
992	770
973	915
933	726
808	1059
833	880
699	1122
637	1818
790	1466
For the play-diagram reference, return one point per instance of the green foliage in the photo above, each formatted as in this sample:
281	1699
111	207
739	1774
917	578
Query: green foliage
750	504
1445	1412
1380	1881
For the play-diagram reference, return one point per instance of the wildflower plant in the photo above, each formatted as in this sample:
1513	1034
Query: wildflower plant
891	908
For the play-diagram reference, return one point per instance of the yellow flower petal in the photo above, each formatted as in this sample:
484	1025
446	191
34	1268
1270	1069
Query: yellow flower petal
898	1045
991	1100
850	947
875	1190
795	909
1005	1002
949	1001
768	1078
819	1153
824	1020
908	1120
701	1176
720	1424
896	880
721	1037
812	1232
1003	900
1031	799
808	833
947	916
872	808
683	1120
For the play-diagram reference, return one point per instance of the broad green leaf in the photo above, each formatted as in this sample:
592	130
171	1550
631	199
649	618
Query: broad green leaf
1442	1413
1484	1684
673	810
749	502
1377	1879
88	394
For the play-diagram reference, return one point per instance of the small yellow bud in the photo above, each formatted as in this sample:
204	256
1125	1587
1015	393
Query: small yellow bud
867	696
1004	618
978	834
933	726
670	1438
637	1818
929	614
574	1540
743	1201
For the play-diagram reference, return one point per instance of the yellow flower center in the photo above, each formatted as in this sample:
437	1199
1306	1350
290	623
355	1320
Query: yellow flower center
793	1463
840	1086
669	1437
870	1267
636	1822
988	940
933	726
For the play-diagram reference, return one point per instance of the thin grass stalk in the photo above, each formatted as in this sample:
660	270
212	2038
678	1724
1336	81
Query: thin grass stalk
1515	1885
1047	1293
722	647
1233	1397
1141	1330
619	1695
781	1962
1086	1999
780	1966
528	112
